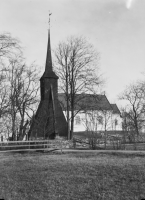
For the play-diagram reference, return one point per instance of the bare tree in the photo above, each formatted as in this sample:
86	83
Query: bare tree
3	96
18	87
21	82
98	120
77	67
134	94
91	121
106	122
9	47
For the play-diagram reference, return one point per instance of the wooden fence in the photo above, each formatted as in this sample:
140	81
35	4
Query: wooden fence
36	145
110	145
135	146
60	144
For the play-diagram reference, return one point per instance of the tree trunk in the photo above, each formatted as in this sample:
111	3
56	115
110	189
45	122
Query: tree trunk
72	124
68	126
105	139
105	131
68	117
68	110
13	127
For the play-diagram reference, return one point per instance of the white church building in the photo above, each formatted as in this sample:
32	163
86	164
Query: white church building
94	113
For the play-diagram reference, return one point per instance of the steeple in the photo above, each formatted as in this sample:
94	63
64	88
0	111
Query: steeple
48	65
49	119
48	73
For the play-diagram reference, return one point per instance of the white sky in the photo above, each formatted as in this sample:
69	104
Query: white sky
116	28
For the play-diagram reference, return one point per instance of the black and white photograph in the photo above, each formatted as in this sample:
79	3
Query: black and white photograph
72	99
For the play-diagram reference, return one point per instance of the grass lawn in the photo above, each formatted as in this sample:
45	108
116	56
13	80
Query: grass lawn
77	175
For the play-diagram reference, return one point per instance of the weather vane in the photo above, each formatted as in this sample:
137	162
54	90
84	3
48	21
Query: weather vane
49	18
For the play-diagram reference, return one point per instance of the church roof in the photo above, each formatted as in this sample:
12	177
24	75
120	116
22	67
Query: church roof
115	109
87	101
49	73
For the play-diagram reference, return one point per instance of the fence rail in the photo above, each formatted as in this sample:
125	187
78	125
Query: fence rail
111	144
59	144
43	145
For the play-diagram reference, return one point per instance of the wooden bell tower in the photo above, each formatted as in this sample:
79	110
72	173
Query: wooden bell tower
49	119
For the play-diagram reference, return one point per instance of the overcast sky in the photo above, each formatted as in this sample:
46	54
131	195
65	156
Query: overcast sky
116	28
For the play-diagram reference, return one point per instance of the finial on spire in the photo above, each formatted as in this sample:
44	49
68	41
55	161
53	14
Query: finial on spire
49	18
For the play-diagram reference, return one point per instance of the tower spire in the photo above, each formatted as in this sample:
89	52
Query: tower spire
48	66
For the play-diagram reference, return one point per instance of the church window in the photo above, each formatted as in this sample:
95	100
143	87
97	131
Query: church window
116	122
100	119
78	120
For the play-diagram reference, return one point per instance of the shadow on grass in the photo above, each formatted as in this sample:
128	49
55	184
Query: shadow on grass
122	154
86	154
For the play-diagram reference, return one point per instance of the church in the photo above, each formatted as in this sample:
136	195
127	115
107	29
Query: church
50	117
94	112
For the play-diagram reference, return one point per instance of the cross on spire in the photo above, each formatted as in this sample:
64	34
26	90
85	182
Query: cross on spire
49	19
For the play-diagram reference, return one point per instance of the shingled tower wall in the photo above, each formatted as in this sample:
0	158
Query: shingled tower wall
49	119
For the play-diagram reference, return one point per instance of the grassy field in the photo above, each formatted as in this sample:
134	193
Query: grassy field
72	176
